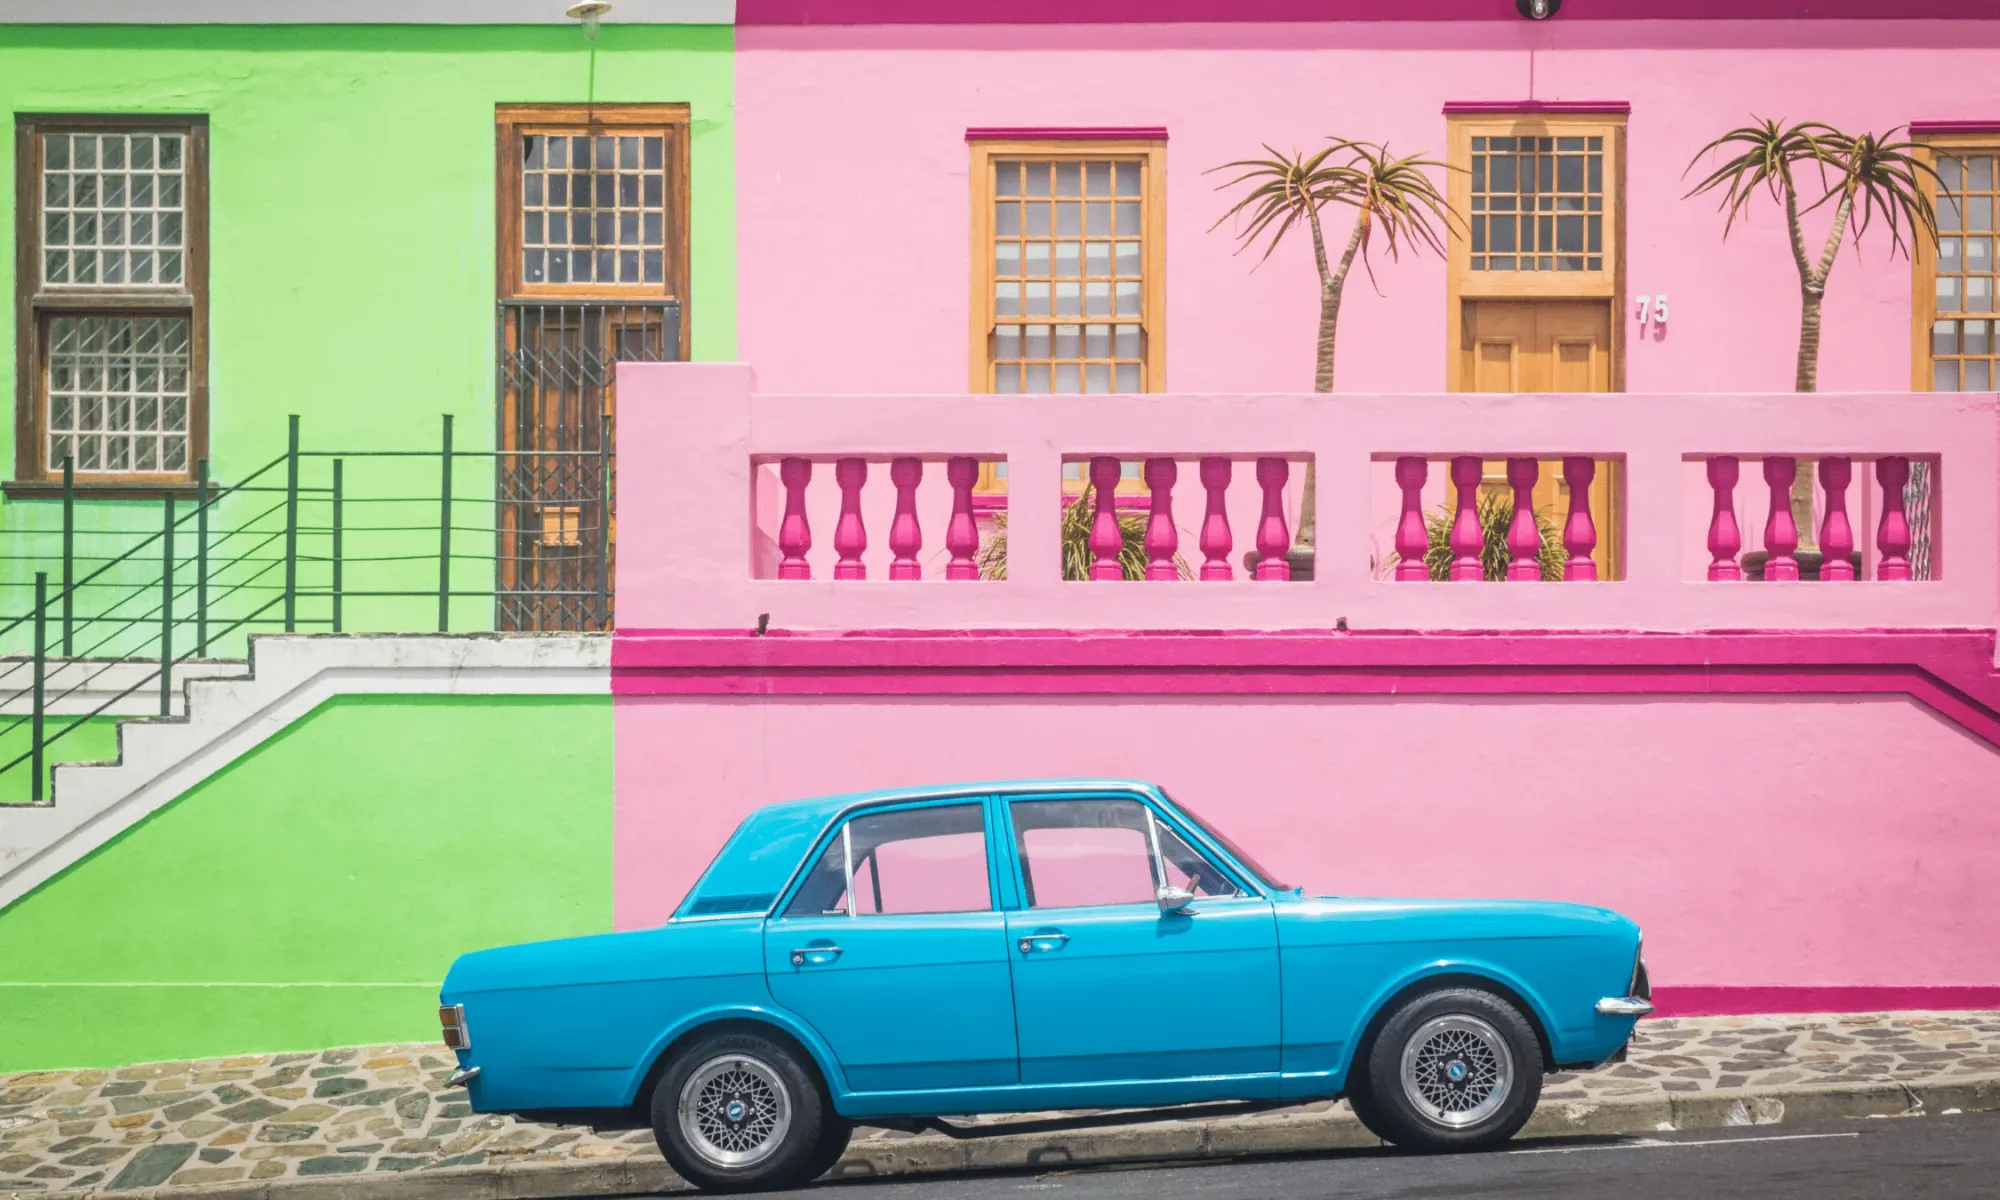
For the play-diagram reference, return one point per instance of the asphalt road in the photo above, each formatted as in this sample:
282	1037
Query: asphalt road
1934	1157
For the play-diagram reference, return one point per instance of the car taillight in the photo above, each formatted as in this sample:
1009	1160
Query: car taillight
452	1018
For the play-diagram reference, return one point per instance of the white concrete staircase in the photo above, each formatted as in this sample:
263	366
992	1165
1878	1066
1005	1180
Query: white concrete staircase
223	718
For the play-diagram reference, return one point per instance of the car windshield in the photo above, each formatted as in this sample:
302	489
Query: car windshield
1222	839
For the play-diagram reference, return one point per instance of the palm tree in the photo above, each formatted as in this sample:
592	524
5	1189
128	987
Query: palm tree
1864	176
1394	196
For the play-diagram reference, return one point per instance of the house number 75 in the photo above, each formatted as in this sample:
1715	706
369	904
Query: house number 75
1653	308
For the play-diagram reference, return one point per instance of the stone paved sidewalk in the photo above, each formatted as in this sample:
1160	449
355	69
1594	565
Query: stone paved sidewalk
384	1110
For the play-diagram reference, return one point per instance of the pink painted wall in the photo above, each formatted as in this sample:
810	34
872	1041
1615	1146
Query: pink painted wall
853	204
1750	847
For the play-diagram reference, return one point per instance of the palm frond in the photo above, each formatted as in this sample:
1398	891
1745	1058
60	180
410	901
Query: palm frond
1393	194
1768	152
1885	178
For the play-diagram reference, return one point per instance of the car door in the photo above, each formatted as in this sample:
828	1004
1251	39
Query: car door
892	948
1107	986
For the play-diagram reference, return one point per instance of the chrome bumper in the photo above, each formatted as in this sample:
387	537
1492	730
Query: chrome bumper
1625	1006
461	1077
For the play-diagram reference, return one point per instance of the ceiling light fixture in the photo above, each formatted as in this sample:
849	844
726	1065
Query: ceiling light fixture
591	12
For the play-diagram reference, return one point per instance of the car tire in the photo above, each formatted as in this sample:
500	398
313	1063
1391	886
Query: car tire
1361	1098
836	1133
741	1112
1451	1070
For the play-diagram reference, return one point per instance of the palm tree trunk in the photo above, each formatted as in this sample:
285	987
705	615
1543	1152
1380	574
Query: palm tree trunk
1812	295
1332	284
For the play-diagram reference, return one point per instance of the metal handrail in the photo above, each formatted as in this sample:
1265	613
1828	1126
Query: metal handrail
274	551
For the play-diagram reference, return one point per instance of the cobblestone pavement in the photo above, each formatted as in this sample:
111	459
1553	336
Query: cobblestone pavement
386	1109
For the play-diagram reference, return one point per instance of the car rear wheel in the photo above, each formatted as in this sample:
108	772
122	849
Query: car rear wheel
1455	1069
739	1112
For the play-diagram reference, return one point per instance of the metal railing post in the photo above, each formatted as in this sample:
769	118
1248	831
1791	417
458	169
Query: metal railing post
69	549
201	559
336	545
292	525
167	606
41	672
604	524
444	534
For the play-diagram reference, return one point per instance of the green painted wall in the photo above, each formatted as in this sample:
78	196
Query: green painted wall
95	739
352	239
313	893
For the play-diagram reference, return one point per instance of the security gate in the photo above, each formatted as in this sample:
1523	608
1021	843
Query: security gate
555	484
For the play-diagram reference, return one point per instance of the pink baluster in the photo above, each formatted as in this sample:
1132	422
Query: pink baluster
1836	536
961	536
906	537
1273	538
1106	539
1467	537
1161	539
1781	533
1524	536
1413	541
794	534
1893	537
1215	539
1579	531
850	537
1724	538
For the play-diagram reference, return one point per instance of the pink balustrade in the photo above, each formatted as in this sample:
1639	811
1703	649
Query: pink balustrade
918	491
1835	551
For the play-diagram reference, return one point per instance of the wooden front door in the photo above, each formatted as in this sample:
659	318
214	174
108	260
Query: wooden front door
1548	346
592	271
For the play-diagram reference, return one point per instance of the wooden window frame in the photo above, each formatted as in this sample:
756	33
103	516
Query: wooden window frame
1151	152
36	304
1463	284
512	121
1923	253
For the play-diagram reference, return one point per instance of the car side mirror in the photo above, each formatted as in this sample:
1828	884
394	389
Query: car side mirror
1173	899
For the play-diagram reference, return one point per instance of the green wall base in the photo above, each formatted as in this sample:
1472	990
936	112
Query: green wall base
313	893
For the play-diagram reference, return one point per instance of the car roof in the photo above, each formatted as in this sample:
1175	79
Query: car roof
828	807
760	857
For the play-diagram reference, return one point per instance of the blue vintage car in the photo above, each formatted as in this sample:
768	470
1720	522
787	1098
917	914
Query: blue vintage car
900	957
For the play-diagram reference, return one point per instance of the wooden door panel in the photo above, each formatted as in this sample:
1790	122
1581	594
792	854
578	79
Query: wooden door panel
1550	347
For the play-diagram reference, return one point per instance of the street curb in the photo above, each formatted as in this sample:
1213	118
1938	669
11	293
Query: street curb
1232	1137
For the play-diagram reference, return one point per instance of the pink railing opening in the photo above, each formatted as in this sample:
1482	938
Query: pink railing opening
856	511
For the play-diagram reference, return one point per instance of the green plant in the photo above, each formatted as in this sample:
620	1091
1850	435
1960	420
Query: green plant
1864	176
1496	513
1394	195
1077	516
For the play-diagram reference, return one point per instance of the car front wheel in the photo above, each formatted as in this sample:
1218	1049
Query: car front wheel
1456	1069
738	1112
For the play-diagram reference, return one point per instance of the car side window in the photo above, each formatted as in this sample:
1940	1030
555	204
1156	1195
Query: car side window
1082	853
912	860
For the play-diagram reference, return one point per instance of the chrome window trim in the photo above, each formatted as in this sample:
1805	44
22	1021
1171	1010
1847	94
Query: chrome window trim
1145	793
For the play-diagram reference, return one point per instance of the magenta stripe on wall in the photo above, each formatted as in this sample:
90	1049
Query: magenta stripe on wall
1747	1001
1949	671
1135	12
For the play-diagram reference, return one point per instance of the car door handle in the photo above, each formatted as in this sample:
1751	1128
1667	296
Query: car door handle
1045	942
815	956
